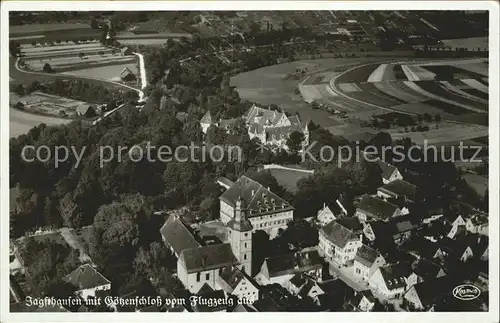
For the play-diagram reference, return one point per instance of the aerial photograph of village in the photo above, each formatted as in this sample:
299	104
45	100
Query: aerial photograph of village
249	161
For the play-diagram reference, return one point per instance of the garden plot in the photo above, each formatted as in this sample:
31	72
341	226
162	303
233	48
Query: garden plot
417	73
29	49
74	52
360	74
110	72
378	74
399	91
478	68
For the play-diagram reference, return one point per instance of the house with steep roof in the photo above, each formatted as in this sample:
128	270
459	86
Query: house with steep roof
339	243
425	295
363	301
423	270
86	110
202	265
265	209
326	215
178	236
366	262
88	282
459	249
398	229
373	209
400	189
281	269
389	172
233	281
390	281
477	223
126	75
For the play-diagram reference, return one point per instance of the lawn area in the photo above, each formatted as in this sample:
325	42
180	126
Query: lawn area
20	30
21	122
477	182
288	178
110	72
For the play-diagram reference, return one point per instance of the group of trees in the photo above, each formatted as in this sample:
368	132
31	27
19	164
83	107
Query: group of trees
402	120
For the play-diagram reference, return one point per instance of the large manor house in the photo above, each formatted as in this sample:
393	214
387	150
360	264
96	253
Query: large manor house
271	127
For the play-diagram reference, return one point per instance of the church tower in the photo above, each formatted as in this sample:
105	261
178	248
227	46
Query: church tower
240	236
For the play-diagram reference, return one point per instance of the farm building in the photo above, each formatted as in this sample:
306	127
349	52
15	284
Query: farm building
86	110
125	51
126	75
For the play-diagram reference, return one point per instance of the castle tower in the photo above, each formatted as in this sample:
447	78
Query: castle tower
240	236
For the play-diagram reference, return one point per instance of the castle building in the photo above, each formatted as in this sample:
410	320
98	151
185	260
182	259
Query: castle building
265	210
271	127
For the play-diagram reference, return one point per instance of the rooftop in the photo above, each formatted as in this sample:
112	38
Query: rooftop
85	277
338	234
207	257
178	234
258	199
376	208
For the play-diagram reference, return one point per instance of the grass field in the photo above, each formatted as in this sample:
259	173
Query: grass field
21	122
21	30
288	178
111	72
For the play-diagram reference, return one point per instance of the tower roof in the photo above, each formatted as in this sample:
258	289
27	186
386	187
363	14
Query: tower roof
240	220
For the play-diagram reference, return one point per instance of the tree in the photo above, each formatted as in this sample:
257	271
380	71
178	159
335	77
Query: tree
101	53
94	24
47	68
70	211
294	141
81	55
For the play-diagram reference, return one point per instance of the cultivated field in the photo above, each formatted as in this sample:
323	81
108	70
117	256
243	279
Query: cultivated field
21	122
63	58
272	85
111	72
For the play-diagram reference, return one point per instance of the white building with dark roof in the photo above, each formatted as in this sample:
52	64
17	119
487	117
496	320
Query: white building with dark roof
390	281
88	281
281	269
233	281
339	243
265	210
366	262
